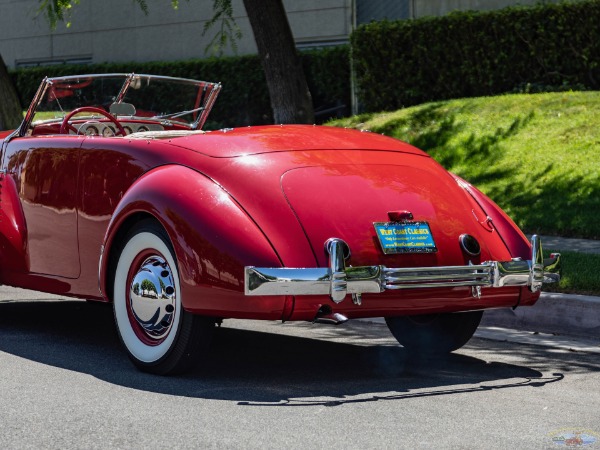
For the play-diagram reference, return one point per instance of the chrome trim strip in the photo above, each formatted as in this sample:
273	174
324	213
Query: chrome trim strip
337	268
100	289
124	88
208	104
337	280
37	98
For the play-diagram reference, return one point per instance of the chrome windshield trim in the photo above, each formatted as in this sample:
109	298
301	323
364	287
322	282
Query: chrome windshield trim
207	95
337	280
37	98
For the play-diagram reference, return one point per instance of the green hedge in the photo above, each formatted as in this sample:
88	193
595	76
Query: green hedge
244	99
468	54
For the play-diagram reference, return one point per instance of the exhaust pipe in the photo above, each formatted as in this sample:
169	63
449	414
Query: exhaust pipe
326	316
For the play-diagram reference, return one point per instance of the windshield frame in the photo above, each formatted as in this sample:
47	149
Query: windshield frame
204	109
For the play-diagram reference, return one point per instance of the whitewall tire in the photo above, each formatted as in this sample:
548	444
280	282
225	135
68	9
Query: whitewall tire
158	335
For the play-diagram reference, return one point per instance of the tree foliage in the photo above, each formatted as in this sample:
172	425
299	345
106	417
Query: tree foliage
60	10
228	32
57	11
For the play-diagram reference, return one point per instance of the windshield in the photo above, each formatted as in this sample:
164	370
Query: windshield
187	102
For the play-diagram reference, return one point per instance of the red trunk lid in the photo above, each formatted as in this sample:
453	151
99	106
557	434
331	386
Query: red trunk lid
345	200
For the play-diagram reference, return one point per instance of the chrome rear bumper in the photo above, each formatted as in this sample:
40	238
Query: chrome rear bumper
337	280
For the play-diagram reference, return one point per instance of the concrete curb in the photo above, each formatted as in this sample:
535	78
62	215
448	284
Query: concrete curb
565	343
563	314
555	314
570	244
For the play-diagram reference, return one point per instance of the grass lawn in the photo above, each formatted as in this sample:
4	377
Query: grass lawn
536	155
580	274
45	115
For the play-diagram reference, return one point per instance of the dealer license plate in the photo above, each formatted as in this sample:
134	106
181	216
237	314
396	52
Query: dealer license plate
405	237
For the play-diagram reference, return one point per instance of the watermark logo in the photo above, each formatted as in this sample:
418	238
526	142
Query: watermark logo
574	437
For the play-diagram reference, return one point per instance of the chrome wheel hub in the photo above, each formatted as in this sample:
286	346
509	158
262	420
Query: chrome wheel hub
152	297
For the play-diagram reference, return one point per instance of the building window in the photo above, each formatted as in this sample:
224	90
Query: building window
21	63
374	10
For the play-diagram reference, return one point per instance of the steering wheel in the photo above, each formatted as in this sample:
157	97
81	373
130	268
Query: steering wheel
65	127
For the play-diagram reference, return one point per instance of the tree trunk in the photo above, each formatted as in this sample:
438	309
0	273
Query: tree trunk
11	113
290	98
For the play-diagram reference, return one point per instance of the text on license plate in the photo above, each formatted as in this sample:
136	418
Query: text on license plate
405	237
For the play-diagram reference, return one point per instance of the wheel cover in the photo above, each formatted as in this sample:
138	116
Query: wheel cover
152	298
145	344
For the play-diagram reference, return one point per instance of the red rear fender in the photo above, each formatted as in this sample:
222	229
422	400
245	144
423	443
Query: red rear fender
516	242
212	236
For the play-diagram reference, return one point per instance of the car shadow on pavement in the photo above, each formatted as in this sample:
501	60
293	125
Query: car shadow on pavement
263	368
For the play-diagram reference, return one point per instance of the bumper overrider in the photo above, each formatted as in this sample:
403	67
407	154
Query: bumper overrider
337	280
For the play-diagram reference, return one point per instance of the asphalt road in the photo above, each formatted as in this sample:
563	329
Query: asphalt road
67	384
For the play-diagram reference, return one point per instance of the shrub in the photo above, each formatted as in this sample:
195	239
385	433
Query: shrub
244	99
467	54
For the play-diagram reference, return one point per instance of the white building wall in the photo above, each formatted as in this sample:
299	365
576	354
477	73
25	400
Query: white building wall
118	30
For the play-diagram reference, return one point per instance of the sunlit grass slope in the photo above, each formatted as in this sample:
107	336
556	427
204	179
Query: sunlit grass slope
536	155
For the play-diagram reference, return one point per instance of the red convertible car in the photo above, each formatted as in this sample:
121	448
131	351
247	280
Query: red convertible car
110	191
